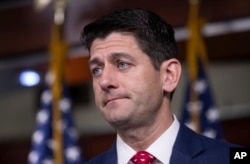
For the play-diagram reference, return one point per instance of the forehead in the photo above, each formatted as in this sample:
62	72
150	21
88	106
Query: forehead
114	41
114	46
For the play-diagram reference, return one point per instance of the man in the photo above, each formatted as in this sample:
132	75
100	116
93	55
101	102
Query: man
135	72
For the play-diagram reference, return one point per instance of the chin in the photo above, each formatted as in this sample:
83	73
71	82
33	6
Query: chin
121	124
116	122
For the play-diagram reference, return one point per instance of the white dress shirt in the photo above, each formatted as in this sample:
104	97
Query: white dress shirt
161	148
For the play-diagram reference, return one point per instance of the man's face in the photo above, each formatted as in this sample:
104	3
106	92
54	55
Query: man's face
127	88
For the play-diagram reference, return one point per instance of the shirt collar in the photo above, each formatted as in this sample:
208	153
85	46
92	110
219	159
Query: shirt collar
162	147
124	152
162	153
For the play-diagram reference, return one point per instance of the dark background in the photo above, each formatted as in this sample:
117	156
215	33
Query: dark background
25	36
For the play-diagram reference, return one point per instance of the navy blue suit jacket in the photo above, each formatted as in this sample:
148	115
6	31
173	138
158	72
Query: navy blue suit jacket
189	148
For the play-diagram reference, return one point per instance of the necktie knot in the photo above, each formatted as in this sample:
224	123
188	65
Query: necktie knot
142	157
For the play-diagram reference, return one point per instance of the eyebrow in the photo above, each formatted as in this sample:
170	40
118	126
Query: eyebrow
94	61
118	55
112	57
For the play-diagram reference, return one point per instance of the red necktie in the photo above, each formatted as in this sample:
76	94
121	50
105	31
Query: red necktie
142	157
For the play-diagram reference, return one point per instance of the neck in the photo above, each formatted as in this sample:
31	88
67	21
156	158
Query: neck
141	138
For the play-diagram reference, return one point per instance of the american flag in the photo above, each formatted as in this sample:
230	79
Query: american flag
200	112
208	114
43	144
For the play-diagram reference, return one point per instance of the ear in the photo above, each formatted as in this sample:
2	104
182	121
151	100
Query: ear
170	71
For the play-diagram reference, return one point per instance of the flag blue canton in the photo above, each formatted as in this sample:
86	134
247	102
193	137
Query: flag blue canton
208	113
42	139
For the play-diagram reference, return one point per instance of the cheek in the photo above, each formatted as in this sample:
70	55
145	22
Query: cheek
96	87
140	86
150	87
96	91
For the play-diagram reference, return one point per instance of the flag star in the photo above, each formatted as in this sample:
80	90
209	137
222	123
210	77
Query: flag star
195	106
48	161
61	125
51	144
38	137
72	132
210	133
72	153
65	104
200	86
33	157
46	96
212	114
42	116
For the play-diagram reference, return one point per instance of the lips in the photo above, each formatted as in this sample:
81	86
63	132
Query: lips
111	100
108	100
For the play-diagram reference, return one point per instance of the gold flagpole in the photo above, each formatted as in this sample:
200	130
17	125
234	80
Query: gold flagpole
195	48
58	49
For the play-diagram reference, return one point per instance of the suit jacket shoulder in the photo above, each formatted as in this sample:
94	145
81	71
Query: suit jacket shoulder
107	157
189	148
193	148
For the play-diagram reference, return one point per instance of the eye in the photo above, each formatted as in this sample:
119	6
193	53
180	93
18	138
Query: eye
96	71
123	65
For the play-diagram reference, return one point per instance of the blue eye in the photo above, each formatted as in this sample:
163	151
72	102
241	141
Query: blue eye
96	71
123	65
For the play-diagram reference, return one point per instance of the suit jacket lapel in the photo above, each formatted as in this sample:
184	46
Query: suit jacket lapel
107	157
187	146
111	156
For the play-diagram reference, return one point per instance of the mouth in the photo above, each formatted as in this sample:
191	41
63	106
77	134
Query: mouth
112	100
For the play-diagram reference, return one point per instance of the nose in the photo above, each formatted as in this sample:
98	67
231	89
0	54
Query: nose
108	79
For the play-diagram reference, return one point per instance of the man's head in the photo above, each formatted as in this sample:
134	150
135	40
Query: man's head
155	37
132	60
